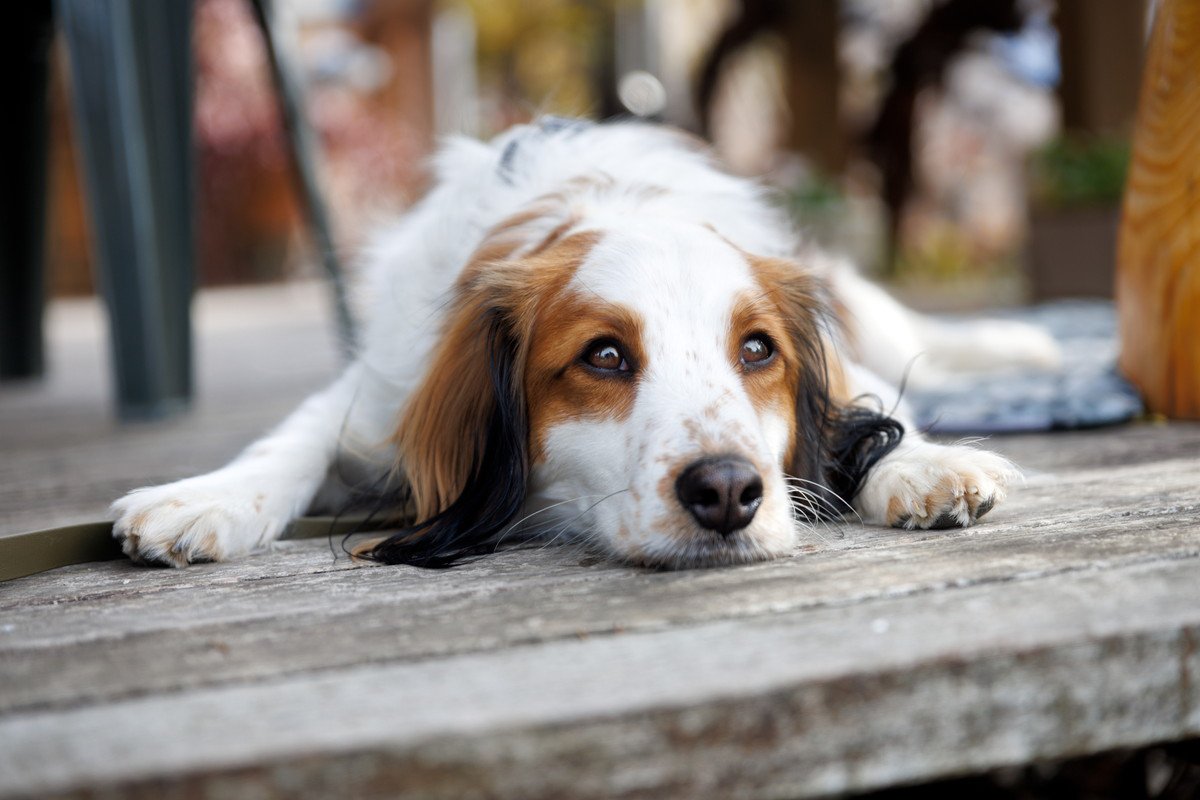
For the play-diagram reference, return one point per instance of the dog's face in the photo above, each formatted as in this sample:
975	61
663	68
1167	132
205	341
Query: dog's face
660	386
648	385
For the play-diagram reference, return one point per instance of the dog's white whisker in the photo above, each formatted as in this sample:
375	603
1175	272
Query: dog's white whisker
849	508
566	525
542	510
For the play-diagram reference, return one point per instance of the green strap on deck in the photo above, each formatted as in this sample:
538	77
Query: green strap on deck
24	554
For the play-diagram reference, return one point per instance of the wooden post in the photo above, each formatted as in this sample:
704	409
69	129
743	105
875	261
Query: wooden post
1101	48
813	81
1158	251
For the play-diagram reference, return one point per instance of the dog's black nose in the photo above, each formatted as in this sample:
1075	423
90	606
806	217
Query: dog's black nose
721	493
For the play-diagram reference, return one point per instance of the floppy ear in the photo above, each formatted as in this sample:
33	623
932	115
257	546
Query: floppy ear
837	439
462	442
463	438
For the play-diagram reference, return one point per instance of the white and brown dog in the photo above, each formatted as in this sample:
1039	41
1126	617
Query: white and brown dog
595	324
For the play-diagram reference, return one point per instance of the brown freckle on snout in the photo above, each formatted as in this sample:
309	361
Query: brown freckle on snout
258	502
669	523
701	438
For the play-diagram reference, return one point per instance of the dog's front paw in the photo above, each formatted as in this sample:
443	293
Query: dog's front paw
194	520
934	486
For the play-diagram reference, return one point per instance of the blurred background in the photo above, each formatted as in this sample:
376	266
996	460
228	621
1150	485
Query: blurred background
969	152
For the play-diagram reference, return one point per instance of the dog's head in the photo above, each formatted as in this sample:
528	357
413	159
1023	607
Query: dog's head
645	383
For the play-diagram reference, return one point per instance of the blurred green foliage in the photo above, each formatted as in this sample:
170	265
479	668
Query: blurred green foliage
817	193
1074	172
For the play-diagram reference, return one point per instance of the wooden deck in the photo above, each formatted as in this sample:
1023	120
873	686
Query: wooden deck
1068	624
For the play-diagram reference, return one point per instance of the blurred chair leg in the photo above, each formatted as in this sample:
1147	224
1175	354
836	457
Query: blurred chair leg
131	70
306	160
26	49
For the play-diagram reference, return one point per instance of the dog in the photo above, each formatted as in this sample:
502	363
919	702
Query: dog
592	329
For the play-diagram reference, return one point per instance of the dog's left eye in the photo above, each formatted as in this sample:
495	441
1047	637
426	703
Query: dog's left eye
756	350
606	357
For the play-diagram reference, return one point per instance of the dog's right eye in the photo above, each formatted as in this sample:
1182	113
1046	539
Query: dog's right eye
757	350
606	356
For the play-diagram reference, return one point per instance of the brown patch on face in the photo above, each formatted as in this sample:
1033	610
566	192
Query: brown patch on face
771	384
558	387
811	359
442	430
525	229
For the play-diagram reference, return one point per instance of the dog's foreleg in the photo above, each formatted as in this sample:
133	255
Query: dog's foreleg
247	503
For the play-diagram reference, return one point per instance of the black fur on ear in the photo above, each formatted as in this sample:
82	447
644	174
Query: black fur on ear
856	439
837	445
495	488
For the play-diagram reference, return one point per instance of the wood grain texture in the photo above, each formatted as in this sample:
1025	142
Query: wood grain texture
1158	253
1068	624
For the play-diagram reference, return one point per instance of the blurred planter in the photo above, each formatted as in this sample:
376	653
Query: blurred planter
1071	252
1076	196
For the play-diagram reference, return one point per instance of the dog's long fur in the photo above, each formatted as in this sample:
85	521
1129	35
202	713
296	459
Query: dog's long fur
577	322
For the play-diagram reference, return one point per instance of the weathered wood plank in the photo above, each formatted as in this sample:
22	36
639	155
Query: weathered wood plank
65	643
1064	625
1124	445
832	699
